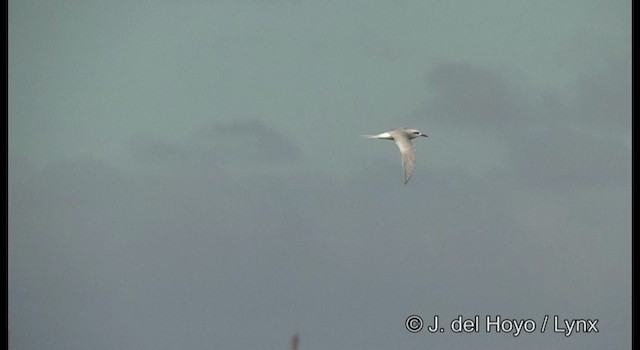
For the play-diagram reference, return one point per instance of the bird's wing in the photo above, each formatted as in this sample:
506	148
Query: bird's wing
408	151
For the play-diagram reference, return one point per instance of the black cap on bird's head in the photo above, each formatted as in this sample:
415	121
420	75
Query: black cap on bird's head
415	133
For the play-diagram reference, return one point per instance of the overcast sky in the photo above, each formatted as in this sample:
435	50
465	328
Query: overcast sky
188	174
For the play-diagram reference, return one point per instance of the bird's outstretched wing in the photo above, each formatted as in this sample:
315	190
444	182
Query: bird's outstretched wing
408	151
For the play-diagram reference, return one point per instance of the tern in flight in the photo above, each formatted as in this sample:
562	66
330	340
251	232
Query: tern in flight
402	138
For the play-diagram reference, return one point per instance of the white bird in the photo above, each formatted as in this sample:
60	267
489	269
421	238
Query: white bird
402	138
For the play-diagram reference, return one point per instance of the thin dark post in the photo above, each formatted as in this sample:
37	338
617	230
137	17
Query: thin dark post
294	342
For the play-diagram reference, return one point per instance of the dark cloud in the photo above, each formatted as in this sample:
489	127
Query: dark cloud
250	140
138	255
562	158
472	96
604	95
218	145
467	96
553	140
156	150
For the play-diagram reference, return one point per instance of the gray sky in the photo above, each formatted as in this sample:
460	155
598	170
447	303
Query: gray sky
188	174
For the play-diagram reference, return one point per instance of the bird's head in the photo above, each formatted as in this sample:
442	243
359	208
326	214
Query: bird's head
416	133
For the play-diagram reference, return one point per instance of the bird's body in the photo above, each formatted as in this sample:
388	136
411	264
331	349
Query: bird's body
402	138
